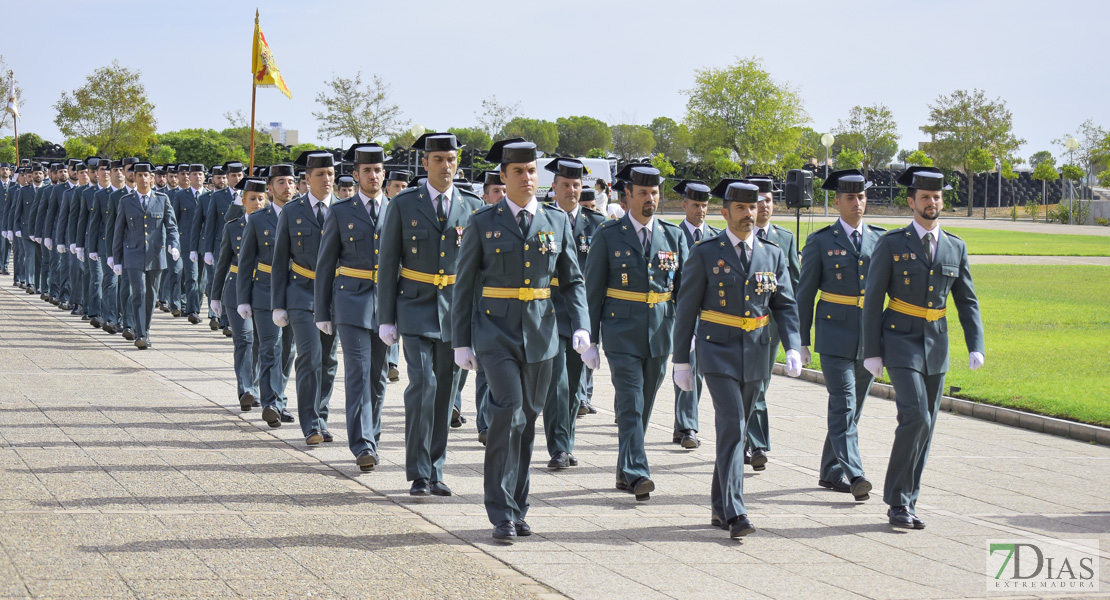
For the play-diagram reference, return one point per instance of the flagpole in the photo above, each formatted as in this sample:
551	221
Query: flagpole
254	92
15	120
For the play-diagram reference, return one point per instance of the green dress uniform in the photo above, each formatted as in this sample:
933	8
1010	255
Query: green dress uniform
416	277
504	311
911	333
227	274
631	293
728	306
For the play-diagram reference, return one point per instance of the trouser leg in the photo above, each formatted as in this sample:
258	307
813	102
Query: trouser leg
556	412
428	400
731	401
917	399
845	380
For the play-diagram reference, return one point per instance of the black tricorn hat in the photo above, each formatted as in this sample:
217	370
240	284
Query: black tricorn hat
694	189
233	166
418	180
640	174
497	150
279	171
571	168
312	159
765	184
251	184
718	190
923	178
365	154
217	170
436	142
846	181
490	178
142	167
741	191
399	175
588	195
345	181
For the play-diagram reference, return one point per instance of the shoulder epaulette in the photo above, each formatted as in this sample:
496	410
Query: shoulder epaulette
466	193
483	208
946	232
877	228
669	224
341	200
608	223
825	228
767	241
594	211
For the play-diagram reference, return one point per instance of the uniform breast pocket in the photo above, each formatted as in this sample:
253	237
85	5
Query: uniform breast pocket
494	256
623	272
614	309
895	321
494	307
348	285
417	241
950	273
409	288
833	312
357	238
722	289
301	235
909	277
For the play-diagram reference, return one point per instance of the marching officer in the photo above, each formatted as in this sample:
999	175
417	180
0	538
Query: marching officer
225	288
144	227
917	267
187	206
560	410
86	237
510	254
695	203
731	286
633	272
419	244
396	181
759	431
126	314
346	299
212	232
253	292
834	263
300	229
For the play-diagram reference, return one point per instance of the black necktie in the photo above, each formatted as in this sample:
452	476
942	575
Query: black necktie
441	211
761	234
524	219
373	211
929	247
644	240
697	235
855	239
744	261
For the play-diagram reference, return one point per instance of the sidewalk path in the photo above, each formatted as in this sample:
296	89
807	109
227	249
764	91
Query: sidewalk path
127	473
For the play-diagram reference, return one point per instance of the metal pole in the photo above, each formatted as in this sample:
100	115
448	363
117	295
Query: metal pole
826	175
1071	187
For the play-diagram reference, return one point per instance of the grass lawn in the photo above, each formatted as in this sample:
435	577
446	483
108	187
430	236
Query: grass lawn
1047	341
982	241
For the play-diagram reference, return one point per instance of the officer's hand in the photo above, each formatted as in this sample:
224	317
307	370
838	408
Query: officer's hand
19	234
80	252
280	317
592	357
118	270
94	256
793	363
580	341
388	334
175	254
209	259
975	360
807	358
464	357
48	243
217	307
683	376
111	262
61	249
326	327
193	256
874	365
73	248
244	311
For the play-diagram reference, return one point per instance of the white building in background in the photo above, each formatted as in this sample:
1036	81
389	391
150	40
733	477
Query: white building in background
281	135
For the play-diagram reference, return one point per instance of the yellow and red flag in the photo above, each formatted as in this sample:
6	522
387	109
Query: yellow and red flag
263	66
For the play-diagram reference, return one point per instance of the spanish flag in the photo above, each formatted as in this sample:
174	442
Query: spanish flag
263	66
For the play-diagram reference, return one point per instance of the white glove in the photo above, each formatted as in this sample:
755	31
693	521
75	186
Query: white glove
580	341
209	259
874	365
388	334
464	357
48	243
244	311
975	360
61	249
118	270
94	256
7	235
807	358
592	357
193	256
111	262
683	376
217	307
280	317
175	254
73	248
326	327
793	363
19	234
80	252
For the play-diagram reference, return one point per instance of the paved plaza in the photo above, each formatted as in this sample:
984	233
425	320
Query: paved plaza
133	474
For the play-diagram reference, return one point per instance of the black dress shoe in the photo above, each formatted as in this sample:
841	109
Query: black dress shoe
676	436
861	488
256	404
573	461
421	487
176	312
64	306
840	485
128	333
559	460
917	522
622	486
715	520
271	416
228	332
759	460
900	517
141	343
393	375
522	529
214	324
95	322
366	461
328	437
505	531
313	438
690	440
193	318
286	417
483	435
440	489
739	527
109	328
246	402
642	488
456	418
590	410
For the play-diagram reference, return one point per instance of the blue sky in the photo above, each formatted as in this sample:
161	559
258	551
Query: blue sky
617	61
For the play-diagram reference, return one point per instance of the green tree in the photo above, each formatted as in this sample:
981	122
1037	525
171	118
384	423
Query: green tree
919	158
405	139
7	149
849	159
791	160
544	134
29	144
111	111
1093	153
296	151
964	121
1044	172
79	148
632	141
1104	178
671	138
809	145
353	109
205	146
269	153
1072	172
495	115
579	135
872	132
1040	157
162	154
721	163
472	137
743	109
977	161
597	153
666	169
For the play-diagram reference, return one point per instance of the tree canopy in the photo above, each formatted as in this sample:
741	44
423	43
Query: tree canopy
111	111
357	110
